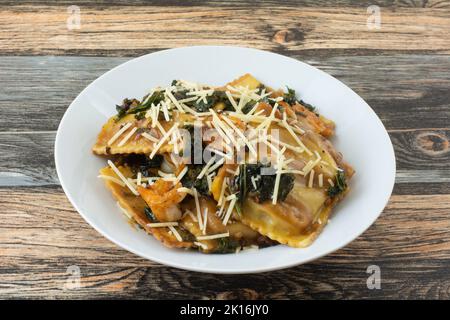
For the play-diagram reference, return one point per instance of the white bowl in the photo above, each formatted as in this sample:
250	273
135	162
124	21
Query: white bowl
360	136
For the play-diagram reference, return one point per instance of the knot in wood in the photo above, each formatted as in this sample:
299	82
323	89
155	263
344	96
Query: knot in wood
432	143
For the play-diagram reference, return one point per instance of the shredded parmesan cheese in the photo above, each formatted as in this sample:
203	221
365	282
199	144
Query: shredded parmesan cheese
174	101
222	191
205	220
121	176
149	137
214	236
162	140
175	233
311	179
206	167
139	178
181	175
125	212
186	190
162	224
197	206
254	182
233	103
119	133
280	159
296	138
216	165
209	181
202	245
229	211
127	137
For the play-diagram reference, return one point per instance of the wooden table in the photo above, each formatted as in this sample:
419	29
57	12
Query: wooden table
401	69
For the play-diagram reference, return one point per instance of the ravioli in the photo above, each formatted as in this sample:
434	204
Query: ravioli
294	222
271	175
136	143
135	206
247	80
240	234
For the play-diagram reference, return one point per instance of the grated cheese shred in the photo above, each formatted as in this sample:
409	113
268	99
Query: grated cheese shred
119	133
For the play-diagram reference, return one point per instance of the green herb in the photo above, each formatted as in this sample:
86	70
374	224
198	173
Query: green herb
226	245
155	98
308	106
181	94
202	106
262	189
142	163
290	97
339	186
124	108
121	112
134	106
185	234
140	115
150	215
215	98
248	106
190	180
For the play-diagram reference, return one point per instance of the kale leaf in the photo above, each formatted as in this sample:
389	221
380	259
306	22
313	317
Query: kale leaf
291	98
133	106
263	184
227	245
142	163
190	180
124	108
307	106
150	215
339	186
211	101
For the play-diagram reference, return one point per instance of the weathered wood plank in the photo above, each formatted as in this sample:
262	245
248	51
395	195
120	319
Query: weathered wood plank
26	159
122	29
410	243
243	3
406	91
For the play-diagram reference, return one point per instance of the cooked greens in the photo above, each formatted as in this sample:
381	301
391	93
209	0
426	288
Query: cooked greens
150	215
134	106
227	245
190	179
258	181
241	203
339	186
291	98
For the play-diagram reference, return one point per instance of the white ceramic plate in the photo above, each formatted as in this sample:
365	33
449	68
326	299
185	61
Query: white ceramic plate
360	136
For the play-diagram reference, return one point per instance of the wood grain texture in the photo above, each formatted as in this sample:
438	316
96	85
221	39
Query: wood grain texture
406	91
42	236
243	3
26	158
288	28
